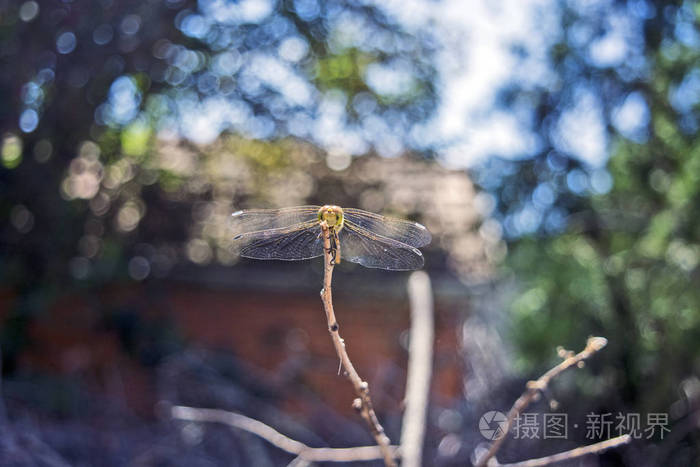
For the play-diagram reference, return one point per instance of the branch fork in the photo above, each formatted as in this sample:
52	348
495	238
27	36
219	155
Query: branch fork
532	393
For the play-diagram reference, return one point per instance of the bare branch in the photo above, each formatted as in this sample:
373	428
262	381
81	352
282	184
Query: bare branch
593	345
596	448
363	403
420	362
303	452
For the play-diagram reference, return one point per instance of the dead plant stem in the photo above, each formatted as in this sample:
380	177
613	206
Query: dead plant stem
534	388
363	402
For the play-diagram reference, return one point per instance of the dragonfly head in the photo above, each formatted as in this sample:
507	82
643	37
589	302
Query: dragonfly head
333	215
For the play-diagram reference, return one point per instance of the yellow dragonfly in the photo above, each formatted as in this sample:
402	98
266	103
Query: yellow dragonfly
292	234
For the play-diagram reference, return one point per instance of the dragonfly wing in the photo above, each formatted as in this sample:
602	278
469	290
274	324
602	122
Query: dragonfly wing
372	251
302	241
407	232
255	220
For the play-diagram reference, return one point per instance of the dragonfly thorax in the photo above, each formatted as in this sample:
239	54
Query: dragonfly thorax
333	215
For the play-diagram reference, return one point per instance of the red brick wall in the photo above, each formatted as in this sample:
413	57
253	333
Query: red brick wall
269	330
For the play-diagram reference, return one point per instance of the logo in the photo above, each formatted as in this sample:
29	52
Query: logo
492	425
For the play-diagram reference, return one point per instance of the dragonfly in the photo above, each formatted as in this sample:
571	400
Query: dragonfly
294	233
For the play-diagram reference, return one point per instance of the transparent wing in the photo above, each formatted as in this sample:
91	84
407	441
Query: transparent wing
255	220
372	251
410	233
301	241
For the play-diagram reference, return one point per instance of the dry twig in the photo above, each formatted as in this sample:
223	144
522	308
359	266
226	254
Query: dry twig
277	439
363	403
420	362
596	448
593	345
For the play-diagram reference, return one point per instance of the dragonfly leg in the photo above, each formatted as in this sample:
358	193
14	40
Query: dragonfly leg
330	250
335	248
336	240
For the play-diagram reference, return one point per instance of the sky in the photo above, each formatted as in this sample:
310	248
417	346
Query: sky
473	74
476	62
473	63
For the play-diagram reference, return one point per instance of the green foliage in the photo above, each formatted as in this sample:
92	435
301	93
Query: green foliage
625	263
343	71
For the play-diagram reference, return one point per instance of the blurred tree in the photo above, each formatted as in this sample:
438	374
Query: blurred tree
611	250
88	87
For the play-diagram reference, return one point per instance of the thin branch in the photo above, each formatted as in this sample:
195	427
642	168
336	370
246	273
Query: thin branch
420	362
363	403
593	345
596	448
277	439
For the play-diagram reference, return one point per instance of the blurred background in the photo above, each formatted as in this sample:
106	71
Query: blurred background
550	146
